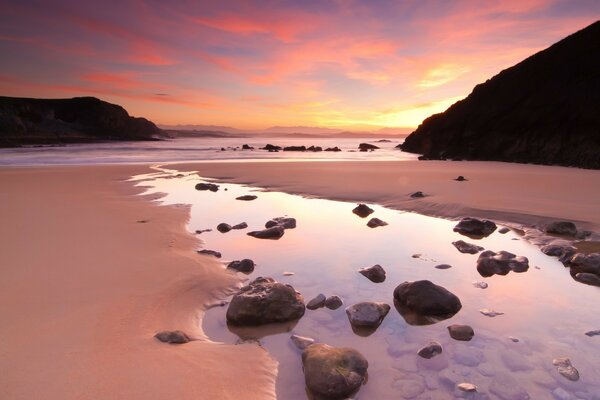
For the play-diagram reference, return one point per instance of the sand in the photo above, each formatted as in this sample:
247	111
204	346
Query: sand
84	286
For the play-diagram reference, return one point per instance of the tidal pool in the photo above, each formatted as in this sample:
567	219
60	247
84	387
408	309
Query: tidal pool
546	313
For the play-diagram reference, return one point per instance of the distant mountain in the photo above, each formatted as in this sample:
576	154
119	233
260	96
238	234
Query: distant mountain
202	128
78	120
545	110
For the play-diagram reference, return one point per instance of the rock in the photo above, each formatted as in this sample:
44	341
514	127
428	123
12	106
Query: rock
210	253
465	247
336	149
376	273
241	225
566	369
376	222
461	332
223	227
503	230
201	231
367	314
301	342
475	228
247	197
593	333
287	273
460	178
480	285
294	148
333	373
314	148
587	278
505	387
417	195
581	235
317	302
432	349
362	210
367	146
443	266
564	252
271	147
247	147
585	263
562	228
207	186
427	298
275	232
333	302
265	301
245	266
466	387
284	222
173	337
513	339
500	263
490	313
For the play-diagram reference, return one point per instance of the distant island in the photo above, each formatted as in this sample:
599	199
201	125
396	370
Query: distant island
25	121
544	110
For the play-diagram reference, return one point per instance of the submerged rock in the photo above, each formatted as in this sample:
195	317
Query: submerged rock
264	301
173	337
333	302
367	314
593	333
301	342
566	369
461	332
426	298
274	232
376	222
210	253
466	387
432	349
223	227
480	285
501	263
376	273
475	228
562	228
488	312
333	373
207	186
284	222
362	210
468	248
245	266
317	302
247	197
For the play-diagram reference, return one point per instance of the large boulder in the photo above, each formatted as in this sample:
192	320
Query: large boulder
475	228
427	299
501	263
274	233
264	301
333	373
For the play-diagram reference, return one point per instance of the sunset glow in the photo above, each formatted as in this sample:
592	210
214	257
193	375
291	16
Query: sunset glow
345	64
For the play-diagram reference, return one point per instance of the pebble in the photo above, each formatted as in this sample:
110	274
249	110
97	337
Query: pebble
432	349
288	273
443	266
333	302
490	313
480	285
513	339
593	333
466	387
317	302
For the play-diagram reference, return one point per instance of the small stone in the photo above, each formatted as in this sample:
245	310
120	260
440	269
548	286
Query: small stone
432	349
566	369
362	210
376	222
443	266
301	342
333	302
201	231
460	178
593	333
317	302
247	197
417	255
417	195
461	332
284	222
286	273
376	273
245	266
173	337
241	225
490	313
475	228
207	186
210	253
466	387
367	314
467	248
480	285
513	339
223	227
503	230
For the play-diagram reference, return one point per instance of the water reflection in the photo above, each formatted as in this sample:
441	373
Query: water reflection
544	308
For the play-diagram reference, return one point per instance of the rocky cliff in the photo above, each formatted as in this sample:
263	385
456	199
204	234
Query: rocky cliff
544	110
77	120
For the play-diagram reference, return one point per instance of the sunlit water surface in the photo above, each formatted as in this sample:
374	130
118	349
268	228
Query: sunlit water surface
544	308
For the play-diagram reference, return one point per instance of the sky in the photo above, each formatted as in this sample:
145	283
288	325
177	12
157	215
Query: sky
254	64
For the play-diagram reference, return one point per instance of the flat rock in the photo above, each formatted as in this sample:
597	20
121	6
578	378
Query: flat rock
284	222
503	230
367	314
316	302
333	302
245	266
466	387
461	332
274	233
467	248
593	333
173	337
241	225
376	273
376	222
223	227
557	250
210	253
475	228
333	373
480	285
566	369
431	350
443	266
362	210
265	301
427	298
588	278
562	228
501	263
207	186
247	197
417	195
490	313
301	342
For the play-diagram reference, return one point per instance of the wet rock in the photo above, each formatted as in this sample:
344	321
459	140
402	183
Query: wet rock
467	248
336	149
247	197
505	387
432	349
223	227
315	148
173	337
301	342
207	186
247	147
501	263
362	210
367	314
245	266
426	298
241	225
460	178
287	273
274	232
294	148
503	230
317	302
593	333
417	195
461	332
480	285
443	266
271	147
376	273
284	222
333	302
581	235
333	373
490	313
201	231
562	228
376	222
585	263
367	146
557	250
587	278
265	301
475	228
466	387
565	368
210	253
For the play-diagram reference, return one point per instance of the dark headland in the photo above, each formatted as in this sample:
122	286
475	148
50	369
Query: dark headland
25	121
544	110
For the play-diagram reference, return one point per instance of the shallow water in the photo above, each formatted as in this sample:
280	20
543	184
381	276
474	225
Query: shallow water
544	308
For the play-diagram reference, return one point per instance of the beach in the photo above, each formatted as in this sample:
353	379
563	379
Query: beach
91	271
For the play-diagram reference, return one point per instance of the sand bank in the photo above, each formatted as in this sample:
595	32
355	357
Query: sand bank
84	287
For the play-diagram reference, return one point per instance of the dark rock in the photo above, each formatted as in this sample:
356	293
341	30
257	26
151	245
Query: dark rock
284	222
362	210
593	333
461	332
460	178
443	266
247	147
200	231
376	222
314	148
223	227
367	314
207	186
294	148
475	228
500	263
417	195
274	233
222	148
210	253
563	252
562	228
585	263
537	111
581	235
271	147
367	146
588	278
241	225
245	266
426	298
465	247
317	302
247	197
432	349
503	230
301	342
336	149
376	273
333	302
265	301
333	373
173	337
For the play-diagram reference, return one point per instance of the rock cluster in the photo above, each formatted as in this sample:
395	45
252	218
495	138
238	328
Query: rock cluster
501	263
